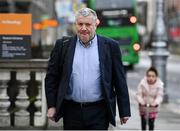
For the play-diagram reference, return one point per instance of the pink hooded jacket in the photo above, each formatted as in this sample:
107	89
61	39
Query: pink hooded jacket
149	94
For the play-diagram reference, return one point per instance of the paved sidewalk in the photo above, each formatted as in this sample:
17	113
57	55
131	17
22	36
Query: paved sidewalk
134	121
167	118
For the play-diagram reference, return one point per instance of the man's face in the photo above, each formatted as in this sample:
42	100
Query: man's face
85	28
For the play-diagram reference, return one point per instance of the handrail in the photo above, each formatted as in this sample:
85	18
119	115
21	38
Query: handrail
31	64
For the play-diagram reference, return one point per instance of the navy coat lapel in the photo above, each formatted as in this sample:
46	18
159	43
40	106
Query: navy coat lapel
70	55
102	50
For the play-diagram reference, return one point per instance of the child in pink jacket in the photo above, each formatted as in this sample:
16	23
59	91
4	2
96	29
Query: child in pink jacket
149	96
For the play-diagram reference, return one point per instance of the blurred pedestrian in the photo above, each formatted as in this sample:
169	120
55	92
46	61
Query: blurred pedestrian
83	87
149	96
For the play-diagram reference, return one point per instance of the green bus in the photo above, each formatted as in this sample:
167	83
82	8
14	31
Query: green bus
118	21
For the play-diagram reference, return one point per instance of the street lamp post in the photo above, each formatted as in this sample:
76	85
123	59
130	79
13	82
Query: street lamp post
159	51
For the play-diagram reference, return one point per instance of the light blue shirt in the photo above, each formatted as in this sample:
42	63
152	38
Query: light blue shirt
84	83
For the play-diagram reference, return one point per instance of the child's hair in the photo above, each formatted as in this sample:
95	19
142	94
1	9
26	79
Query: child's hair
153	69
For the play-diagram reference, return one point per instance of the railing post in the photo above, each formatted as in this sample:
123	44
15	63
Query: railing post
40	118
22	116
4	99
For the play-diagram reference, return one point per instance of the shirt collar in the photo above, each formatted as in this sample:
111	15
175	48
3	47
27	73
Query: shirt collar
89	43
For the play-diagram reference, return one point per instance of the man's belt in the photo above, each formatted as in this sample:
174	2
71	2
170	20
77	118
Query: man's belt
84	104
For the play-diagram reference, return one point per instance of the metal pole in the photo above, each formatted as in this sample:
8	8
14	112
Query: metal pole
159	51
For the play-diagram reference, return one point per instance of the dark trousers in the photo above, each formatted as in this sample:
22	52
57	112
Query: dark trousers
150	123
85	117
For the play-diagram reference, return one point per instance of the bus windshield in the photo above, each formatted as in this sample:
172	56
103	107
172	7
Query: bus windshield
113	4
114	12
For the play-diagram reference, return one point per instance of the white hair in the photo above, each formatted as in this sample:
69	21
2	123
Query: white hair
86	12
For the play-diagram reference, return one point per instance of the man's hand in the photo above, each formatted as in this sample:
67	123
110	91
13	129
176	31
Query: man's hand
51	112
123	120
